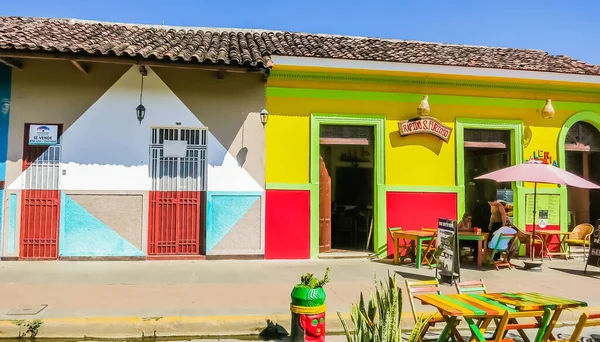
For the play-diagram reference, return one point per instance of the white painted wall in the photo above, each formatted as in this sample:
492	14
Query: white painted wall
107	148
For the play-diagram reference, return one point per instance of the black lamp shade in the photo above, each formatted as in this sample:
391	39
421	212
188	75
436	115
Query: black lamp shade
140	112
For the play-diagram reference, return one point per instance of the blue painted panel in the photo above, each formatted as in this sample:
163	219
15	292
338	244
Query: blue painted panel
5	84
5	73
82	234
12	222
1	206
224	210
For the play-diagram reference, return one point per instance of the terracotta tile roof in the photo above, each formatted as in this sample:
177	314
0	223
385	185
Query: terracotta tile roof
254	47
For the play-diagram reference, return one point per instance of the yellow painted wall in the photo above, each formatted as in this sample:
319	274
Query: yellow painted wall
288	144
410	161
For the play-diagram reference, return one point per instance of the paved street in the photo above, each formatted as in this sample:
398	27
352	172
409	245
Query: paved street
259	289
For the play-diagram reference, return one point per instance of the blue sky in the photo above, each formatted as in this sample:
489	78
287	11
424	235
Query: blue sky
557	26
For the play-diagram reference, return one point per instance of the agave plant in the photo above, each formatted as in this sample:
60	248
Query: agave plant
386	306
379	321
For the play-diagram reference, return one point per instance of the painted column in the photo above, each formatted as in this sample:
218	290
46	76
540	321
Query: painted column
5	73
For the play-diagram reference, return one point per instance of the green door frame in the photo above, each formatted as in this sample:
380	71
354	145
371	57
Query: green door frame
379	197
516	156
592	118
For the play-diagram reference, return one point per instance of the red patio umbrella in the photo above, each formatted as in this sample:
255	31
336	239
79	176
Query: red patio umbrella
535	172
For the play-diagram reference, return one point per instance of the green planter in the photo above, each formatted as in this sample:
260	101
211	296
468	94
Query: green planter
304	296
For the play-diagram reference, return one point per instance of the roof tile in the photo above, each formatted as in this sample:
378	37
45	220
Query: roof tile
254	47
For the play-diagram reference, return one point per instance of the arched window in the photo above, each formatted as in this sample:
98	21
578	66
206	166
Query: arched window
582	136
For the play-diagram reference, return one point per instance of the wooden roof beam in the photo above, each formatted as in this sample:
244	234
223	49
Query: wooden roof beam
84	69
12	62
129	61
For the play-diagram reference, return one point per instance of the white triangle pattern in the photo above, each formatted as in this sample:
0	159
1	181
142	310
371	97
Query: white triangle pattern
107	148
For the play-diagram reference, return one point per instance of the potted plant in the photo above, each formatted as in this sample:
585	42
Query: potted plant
308	308
380	319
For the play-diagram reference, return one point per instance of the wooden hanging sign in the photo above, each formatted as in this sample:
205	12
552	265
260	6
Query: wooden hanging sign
425	125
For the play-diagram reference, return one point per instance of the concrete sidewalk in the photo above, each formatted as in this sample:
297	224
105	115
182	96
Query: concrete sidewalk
222	298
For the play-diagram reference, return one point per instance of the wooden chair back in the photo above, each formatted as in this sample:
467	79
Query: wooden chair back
587	319
421	287
581	231
506	253
471	286
430	247
391	231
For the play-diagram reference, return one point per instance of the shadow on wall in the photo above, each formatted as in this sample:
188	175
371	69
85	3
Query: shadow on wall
432	143
221	104
242	155
108	144
527	136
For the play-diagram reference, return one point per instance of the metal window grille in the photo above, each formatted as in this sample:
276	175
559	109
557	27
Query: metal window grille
179	174
44	172
339	131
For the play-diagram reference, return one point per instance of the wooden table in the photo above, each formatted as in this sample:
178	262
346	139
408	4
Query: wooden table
473	308
532	302
546	235
505	307
416	237
481	238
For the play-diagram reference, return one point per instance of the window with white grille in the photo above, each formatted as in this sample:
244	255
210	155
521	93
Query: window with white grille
178	159
44	172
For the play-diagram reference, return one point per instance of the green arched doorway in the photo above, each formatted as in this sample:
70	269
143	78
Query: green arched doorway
579	153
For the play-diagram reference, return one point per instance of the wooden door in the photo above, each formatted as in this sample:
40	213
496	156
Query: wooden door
324	207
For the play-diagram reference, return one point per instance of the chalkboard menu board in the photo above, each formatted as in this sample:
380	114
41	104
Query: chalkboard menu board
594	256
448	261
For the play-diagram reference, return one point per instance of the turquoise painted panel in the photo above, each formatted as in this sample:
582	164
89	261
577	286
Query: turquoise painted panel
224	210
1	206
12	222
5	84
82	234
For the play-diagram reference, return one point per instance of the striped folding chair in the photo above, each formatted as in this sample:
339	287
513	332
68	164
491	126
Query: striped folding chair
587	319
426	287
471	286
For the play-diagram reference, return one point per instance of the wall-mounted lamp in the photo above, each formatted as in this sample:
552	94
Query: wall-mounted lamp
548	111
140	111
264	116
4	106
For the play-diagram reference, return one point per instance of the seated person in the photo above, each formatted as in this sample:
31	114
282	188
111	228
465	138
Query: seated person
465	225
504	243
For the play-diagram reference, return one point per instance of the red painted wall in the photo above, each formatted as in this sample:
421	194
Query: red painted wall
415	210
287	224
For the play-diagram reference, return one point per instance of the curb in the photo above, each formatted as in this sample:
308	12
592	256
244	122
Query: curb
187	326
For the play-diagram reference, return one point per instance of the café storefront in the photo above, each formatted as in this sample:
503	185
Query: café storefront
417	140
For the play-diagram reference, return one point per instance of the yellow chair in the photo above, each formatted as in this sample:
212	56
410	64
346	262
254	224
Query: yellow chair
587	319
401	248
428	250
580	236
426	287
